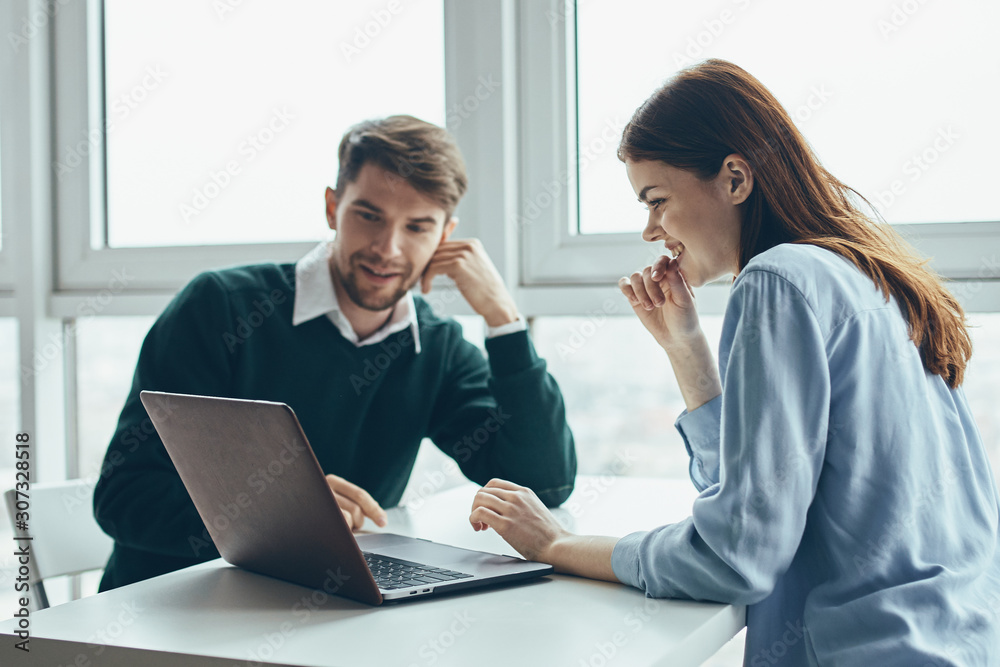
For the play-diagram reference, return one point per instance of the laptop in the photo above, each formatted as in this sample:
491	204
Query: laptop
266	504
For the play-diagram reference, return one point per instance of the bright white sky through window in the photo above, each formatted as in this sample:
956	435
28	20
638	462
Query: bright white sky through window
888	92
225	119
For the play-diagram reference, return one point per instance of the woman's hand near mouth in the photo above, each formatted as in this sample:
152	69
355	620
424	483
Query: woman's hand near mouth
666	307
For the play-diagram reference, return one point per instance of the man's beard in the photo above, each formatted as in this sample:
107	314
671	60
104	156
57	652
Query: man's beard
373	302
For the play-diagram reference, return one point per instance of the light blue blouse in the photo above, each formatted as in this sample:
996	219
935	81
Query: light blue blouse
846	496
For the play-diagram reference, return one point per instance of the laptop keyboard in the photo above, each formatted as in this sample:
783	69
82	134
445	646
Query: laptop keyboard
392	573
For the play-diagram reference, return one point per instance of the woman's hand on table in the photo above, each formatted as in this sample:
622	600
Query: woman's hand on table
520	518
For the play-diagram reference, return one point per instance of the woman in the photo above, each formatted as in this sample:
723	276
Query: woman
845	488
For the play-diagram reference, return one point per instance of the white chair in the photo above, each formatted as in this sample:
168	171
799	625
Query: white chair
65	536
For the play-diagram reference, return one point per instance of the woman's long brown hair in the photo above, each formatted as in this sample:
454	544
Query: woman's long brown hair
714	109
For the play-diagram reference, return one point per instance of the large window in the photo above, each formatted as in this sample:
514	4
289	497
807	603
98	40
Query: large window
223	119
896	98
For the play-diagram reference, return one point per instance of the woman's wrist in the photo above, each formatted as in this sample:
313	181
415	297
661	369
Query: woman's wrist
696	372
678	343
582	555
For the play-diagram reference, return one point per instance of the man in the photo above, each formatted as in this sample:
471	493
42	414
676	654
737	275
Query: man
368	368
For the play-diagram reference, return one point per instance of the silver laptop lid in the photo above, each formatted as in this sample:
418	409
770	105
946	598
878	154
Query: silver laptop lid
260	490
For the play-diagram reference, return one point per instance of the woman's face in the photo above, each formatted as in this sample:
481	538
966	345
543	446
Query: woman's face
698	219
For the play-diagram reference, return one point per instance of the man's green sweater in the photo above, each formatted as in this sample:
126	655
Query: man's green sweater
364	409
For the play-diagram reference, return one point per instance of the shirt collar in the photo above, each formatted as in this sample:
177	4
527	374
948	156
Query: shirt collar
315	296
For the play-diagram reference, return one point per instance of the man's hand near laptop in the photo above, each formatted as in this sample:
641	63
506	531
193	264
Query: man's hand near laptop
355	503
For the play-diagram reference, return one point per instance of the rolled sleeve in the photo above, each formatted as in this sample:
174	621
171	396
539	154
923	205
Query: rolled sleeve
625	559
700	431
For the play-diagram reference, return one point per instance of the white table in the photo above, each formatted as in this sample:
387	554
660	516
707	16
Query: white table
216	614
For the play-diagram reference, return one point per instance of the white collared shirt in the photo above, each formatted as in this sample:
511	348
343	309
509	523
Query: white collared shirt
315	296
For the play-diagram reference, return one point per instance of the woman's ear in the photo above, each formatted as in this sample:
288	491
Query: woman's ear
738	178
331	208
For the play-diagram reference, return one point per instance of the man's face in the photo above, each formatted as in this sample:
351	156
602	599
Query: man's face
386	234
